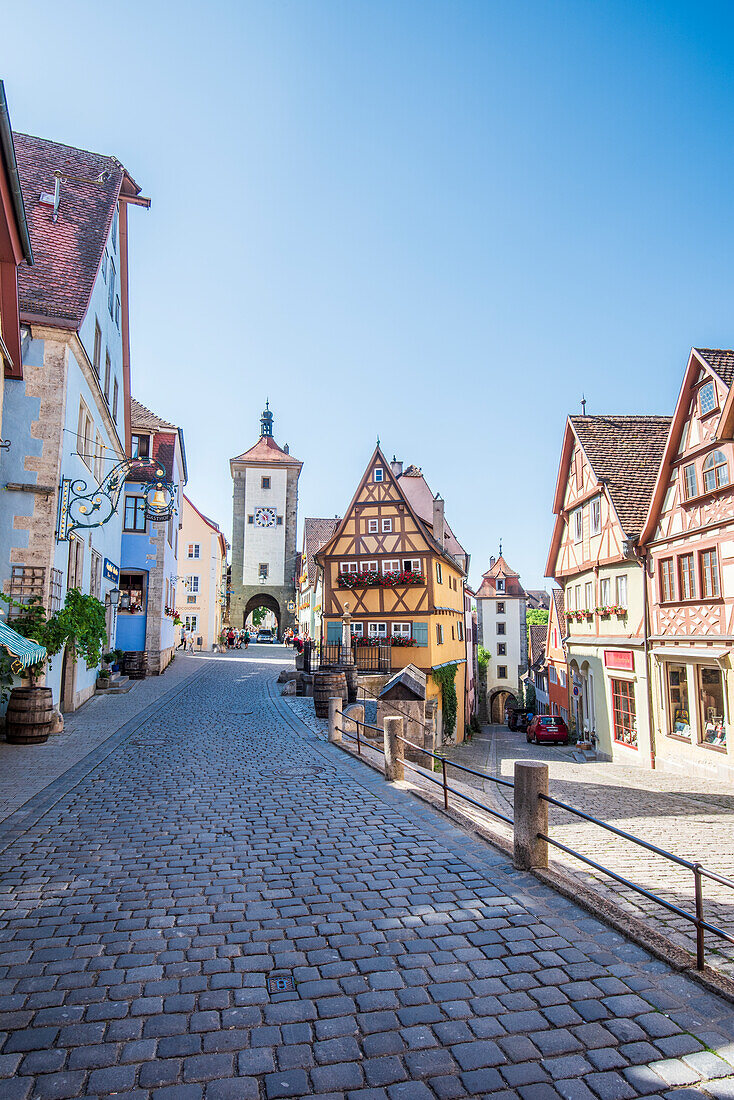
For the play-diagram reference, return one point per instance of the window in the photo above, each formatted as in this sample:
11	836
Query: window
501	607
192	583
54	591
712	730
97	356
262	571
372	526
623	707
115	396
377	630
501	649
75	568
117	310
387	525
500	628
279	521
596	516
401	630
95	575
132	592
686	577
501	672
667	581
715	471
622	590
439	634
412	565
368	567
578	525
99	460
378	473
357	630
250	519
111	289
709	575
391	567
27	584
194	550
107	376
140	446
348	567
605	591
191	622
439	574
679	716
552	676
115	219
500	584
578	598
84	435
690	486
707	398
134	513
460	630
589	593
562	677
264	482
104	265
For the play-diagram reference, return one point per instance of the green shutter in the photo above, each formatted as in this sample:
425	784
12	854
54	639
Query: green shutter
420	633
334	632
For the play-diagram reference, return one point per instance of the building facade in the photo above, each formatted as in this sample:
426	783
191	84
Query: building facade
605	484
502	617
397	567
202	557
310	588
556	657
688	539
264	525
65	410
537	668
150	548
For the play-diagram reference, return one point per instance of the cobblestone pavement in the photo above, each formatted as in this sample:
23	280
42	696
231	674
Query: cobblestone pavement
691	817
221	844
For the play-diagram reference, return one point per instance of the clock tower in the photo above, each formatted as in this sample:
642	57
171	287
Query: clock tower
264	520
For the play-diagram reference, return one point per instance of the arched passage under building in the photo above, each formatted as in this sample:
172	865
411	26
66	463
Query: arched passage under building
497	703
263	599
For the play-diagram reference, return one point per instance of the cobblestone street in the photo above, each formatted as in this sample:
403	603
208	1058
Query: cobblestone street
689	816
218	843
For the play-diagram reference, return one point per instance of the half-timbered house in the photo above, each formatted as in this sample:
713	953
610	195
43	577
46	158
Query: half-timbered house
396	566
607	474
689	540
556	656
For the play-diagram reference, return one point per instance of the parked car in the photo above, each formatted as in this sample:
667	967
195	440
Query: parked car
265	636
547	728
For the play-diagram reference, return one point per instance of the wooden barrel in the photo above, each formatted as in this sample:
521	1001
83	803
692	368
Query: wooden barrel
29	717
328	685
136	665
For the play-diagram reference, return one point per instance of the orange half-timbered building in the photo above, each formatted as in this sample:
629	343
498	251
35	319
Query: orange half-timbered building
689	540
398	568
605	483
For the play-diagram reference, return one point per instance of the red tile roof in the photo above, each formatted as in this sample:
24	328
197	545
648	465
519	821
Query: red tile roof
488	587
68	252
267	452
142	417
625	452
536	637
721	361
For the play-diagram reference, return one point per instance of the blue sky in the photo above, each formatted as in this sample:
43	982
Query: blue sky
436	222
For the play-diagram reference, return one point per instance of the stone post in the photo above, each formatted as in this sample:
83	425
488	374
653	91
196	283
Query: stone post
335	733
393	749
356	714
431	739
346	656
531	814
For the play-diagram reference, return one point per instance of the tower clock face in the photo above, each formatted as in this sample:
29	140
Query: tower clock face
265	517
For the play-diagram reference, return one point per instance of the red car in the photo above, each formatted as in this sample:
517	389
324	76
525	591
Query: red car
548	728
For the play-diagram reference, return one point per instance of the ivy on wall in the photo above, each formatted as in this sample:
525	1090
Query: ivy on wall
446	679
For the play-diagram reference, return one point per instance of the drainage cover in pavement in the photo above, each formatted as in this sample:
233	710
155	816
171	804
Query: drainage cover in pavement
282	984
296	773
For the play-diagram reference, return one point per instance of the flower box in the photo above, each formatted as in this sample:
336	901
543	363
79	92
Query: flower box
396	640
379	580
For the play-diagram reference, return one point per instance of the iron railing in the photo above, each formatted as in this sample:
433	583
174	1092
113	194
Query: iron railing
367	658
697	869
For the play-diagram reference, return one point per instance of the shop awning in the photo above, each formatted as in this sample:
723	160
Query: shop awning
690	653
27	652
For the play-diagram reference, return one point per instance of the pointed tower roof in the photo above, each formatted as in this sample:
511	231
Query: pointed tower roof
500	568
266	451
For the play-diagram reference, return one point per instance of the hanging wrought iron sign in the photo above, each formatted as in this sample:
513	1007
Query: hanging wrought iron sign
81	507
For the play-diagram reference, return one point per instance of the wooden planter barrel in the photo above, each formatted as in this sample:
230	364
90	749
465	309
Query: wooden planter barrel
30	715
328	685
136	665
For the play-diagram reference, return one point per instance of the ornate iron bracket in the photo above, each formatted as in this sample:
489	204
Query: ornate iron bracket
81	507
4	444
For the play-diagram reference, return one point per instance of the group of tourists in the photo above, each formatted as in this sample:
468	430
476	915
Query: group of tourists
238	639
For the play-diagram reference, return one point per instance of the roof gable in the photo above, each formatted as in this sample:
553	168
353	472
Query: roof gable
266	452
316	533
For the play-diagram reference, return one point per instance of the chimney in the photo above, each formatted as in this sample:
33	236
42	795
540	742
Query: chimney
286	448
439	526
492	560
396	467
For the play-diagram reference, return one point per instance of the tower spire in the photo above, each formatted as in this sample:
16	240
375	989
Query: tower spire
266	421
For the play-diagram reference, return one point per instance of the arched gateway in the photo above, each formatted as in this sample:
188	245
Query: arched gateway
264	520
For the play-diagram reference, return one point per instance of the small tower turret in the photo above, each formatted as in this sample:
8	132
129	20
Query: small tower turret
266	421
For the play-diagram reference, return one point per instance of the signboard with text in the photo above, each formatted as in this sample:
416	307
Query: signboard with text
111	571
622	659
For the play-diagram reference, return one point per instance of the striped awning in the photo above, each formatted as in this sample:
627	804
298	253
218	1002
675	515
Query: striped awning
27	652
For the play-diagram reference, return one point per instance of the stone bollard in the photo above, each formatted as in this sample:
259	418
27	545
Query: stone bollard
335	733
531	814
353	715
394	749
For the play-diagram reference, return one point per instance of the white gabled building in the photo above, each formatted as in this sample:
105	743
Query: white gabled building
501	609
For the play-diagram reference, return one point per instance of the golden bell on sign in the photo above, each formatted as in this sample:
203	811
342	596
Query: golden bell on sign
158	501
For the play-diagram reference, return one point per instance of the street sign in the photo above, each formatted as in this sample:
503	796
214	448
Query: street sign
111	571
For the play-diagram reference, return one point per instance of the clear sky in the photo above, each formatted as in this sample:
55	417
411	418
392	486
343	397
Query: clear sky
439	222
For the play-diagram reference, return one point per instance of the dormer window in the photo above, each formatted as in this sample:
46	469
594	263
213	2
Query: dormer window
707	398
500	584
378	473
140	446
715	471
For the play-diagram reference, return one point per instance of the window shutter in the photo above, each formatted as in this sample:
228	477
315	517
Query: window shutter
334	632
420	633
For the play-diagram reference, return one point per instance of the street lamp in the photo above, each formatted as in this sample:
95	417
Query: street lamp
114	596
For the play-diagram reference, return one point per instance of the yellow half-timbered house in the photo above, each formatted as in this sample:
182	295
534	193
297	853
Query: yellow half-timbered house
398	568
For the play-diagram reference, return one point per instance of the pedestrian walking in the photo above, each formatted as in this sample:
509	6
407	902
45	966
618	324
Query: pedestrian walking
182	644
247	638
230	638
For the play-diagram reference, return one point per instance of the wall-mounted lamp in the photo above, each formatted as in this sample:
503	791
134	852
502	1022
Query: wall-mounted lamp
114	596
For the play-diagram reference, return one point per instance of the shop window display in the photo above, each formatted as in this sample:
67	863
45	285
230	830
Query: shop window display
680	714
625	718
711	703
